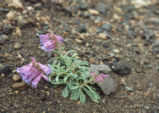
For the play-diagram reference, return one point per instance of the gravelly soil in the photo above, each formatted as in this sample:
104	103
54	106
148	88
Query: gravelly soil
132	36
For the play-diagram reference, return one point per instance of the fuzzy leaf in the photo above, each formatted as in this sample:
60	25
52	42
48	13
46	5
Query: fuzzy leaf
92	96
74	87
65	92
74	95
82	98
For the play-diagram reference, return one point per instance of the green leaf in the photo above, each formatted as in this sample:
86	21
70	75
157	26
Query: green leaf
70	51
65	78
74	87
65	92
82	98
74	95
88	92
92	96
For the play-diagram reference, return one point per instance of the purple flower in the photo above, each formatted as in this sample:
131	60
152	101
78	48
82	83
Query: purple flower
99	78
50	41
33	72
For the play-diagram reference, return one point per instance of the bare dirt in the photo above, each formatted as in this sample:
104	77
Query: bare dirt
130	35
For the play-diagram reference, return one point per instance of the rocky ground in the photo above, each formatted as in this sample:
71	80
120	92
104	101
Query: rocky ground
120	34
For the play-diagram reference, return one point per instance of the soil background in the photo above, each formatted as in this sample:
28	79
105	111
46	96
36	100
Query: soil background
102	32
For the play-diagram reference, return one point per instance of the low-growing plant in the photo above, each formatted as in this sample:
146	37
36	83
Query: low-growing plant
67	69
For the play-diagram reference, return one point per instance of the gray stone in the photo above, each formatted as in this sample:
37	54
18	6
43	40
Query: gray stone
108	86
86	15
99	18
104	68
94	68
4	10
7	29
100	68
101	7
82	6
104	27
155	47
82	29
3	39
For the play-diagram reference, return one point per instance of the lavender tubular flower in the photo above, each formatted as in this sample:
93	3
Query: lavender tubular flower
33	72
99	78
50	41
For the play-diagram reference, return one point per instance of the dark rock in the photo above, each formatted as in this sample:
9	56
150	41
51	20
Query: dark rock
148	35
121	68
82	29
38	6
101	7
6	69
4	10
131	32
154	111
66	27
105	44
127	8
7	29
104	27
155	47
22	23
155	51
110	36
3	39
82	6
68	10
33	1
45	28
108	86
24	55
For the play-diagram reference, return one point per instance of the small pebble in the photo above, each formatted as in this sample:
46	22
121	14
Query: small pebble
116	51
93	12
18	32
16	78
19	86
17	45
3	39
102	36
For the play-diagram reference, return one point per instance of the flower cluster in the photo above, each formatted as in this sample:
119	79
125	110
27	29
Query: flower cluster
50	42
99	78
33	72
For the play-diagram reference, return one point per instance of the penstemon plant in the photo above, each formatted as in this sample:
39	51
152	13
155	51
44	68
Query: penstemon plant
67	69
